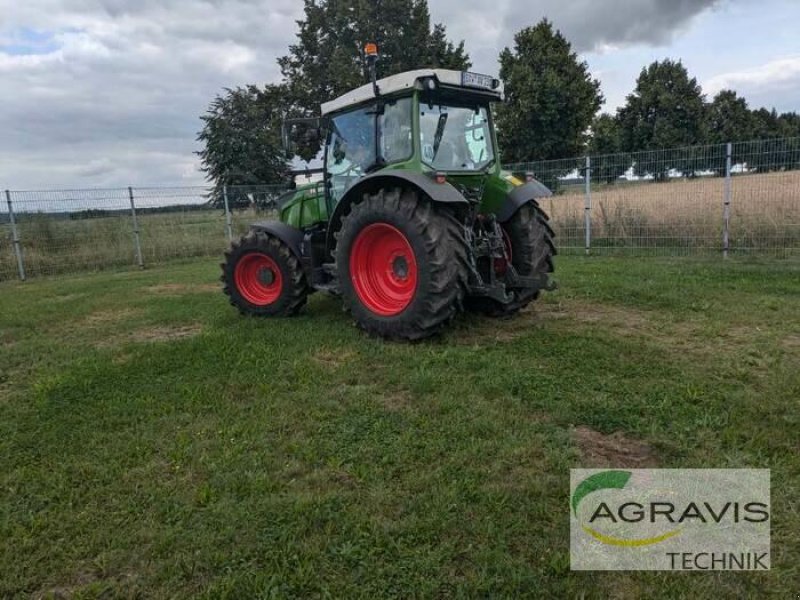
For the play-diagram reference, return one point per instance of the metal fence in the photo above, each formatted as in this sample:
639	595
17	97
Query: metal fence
740	198
69	231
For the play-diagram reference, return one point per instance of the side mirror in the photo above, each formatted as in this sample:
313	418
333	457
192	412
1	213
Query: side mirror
300	132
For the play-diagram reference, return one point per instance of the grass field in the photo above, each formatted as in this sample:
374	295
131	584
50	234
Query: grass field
62	246
156	444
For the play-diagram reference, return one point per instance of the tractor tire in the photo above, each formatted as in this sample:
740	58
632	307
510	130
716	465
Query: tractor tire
402	264
262	277
532	252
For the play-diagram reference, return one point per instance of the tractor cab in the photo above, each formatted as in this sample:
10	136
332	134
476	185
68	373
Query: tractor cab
428	121
435	122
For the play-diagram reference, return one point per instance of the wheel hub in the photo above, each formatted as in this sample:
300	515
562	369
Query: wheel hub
266	276
400	267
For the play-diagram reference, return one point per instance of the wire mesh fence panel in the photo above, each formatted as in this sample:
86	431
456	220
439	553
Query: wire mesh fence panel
178	223
249	204
565	177
661	202
672	202
71	231
765	206
8	261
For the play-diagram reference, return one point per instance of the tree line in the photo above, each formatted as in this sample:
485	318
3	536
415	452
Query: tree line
552	107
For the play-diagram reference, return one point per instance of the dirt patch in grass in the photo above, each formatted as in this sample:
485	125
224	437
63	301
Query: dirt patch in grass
165	333
791	342
68	297
5	389
683	336
179	289
70	589
87	584
145	335
332	358
478	330
103	317
612	450
622	320
396	401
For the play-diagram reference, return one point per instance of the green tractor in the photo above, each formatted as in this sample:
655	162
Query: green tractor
414	220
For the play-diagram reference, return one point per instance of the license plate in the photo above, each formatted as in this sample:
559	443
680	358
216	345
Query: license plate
476	80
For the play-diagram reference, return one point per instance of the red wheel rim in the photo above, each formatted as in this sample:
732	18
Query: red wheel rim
258	279
383	269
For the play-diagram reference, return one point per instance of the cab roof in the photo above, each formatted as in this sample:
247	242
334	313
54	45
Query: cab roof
407	81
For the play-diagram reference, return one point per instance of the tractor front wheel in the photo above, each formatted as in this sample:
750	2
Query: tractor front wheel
262	277
401	262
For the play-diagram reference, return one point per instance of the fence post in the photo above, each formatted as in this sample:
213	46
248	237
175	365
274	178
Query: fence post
136	240
587	210
726	210
15	238
228	226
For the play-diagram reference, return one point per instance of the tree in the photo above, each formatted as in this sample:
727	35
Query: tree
790	124
605	144
769	124
551	98
241	131
776	147
606	137
728	119
241	138
327	59
665	110
766	124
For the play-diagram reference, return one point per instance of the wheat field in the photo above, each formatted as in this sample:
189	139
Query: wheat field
684	216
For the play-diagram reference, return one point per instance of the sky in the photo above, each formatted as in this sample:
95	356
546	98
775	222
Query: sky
106	93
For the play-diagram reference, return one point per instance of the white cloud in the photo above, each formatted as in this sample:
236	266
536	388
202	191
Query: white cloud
775	84
115	94
775	76
109	92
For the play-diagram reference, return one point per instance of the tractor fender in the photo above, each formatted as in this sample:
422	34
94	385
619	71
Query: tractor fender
438	192
531	190
290	236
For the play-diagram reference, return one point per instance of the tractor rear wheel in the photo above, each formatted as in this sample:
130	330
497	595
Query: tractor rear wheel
401	261
529	239
263	277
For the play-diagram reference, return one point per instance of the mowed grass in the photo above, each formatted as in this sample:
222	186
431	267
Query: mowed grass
154	443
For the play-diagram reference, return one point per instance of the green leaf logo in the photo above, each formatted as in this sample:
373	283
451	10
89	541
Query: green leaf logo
599	481
611	480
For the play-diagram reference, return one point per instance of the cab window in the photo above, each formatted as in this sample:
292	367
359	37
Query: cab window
351	149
